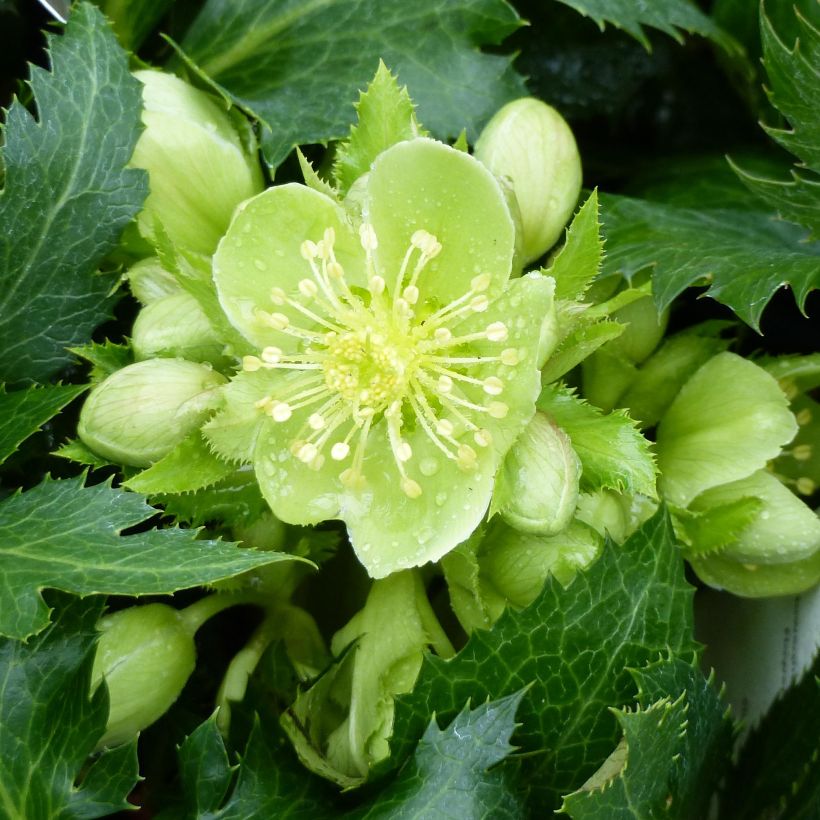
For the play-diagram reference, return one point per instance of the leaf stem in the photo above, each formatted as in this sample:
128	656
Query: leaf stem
195	615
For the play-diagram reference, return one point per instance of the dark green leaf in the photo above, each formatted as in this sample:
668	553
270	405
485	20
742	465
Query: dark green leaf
133	20
23	412
448	775
744	255
575	645
67	197
62	535
270	782
298	65
49	724
670	16
778	771
794	89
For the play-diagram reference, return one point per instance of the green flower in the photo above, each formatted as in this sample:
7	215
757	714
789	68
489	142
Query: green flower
396	360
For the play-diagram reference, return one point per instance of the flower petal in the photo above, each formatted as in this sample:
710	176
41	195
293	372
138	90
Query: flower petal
262	250
426	185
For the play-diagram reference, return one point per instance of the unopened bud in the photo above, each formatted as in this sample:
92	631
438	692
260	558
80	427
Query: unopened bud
530	144
140	413
145	654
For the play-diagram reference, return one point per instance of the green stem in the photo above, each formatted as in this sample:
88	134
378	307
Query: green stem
235	682
203	610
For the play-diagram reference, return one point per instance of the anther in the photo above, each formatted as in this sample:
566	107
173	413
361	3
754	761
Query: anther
444	427
802	452
443	334
278	296
483	438
307	452
280	411
376	285
411	488
445	384
493	386
367	236
509	357
308	250
466	456
479	303
271	355
497	332
316	421
278	321
250	364
410	294
404	452
804	417
480	283
805	486
308	288
339	451
497	409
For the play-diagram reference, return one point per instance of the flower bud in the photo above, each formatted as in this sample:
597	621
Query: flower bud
537	487
140	413
530	144
145	654
175	325
199	166
150	281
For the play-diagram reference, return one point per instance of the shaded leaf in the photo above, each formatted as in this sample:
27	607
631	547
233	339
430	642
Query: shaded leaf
67	197
63	535
298	65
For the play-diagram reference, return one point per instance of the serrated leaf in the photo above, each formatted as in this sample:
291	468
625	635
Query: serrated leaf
613	452
675	747
67	197
581	342
714	529
577	263
105	359
575	645
76	451
62	535
778	770
299	65
448	774
386	115
23	412
49	724
794	90
270	781
743	255
188	467
670	16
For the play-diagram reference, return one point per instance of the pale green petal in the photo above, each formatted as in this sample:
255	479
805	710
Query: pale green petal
426	185
784	529
390	531
262	250
758	580
728	420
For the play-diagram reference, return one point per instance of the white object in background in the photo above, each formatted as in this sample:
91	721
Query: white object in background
59	8
757	646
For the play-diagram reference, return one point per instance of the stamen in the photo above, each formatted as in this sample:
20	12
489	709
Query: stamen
410	488
339	451
802	452
804	417
510	357
483	438
308	288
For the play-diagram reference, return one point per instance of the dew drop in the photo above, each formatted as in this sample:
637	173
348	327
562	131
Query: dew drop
515	301
441	498
429	466
425	534
259	264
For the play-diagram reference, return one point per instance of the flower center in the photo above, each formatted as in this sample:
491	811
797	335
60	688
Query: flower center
369	369
365	362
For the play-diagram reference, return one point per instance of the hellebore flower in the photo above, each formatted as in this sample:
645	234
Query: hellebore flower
396	361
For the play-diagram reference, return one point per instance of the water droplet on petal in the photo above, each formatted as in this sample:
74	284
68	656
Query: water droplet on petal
429	466
441	498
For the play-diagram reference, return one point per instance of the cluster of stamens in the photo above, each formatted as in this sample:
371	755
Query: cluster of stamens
367	357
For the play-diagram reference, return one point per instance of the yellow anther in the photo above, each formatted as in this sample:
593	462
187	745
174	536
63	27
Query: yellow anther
483	438
367	236
278	296
278	321
509	357
308	288
466	456
404	452
410	294
445	384
329	237
443	334
335	270
251	364
497	332
804	417
307	452
352	479
802	452
805	486
493	386
479	303
376	285
271	355
280	411
444	427
426	243
480	283
308	250
316	421
497	409
339	451
411	488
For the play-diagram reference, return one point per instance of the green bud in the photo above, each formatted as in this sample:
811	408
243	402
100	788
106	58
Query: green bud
728	420
145	654
783	530
140	413
531	145
150	281
175	325
537	487
644	327
199	166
